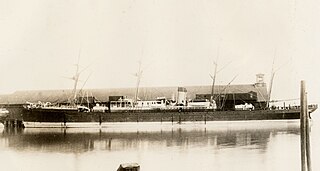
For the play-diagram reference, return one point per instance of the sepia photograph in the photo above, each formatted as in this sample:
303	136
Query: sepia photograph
154	85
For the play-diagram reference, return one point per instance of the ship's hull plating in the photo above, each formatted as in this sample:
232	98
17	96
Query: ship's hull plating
56	116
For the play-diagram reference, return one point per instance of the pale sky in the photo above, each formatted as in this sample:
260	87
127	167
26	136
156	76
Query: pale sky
176	40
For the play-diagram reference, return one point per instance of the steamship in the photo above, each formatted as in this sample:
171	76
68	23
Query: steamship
228	103
194	103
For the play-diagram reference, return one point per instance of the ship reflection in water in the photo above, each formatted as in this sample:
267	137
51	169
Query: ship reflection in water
258	145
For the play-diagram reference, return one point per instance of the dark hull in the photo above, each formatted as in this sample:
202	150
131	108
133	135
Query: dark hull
45	115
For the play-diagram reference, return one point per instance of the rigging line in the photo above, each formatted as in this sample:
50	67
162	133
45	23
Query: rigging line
85	68
225	95
221	90
261	95
214	75
272	76
252	95
242	91
79	57
284	64
230	82
239	99
224	99
138	75
225	89
281	100
81	90
224	66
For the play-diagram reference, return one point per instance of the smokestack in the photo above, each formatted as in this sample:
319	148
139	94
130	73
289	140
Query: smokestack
182	96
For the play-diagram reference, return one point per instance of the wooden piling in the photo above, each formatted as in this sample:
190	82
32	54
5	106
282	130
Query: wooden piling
172	118
302	126
64	120
12	123
205	118
304	130
307	134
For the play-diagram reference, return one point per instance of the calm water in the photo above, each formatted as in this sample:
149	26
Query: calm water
251	146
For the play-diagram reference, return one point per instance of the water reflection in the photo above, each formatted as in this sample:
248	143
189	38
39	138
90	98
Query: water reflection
75	140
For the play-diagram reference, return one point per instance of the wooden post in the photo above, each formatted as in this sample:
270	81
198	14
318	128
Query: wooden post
172	118
21	124
307	134
205	118
302	126
304	130
64	120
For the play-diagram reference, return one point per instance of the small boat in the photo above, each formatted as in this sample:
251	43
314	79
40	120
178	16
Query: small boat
129	167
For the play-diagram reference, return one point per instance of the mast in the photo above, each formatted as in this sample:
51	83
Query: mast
273	72
270	89
88	100
76	80
138	75
213	81
214	76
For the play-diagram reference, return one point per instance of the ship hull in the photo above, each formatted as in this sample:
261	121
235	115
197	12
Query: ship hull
63	118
